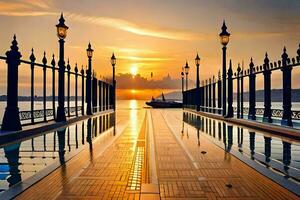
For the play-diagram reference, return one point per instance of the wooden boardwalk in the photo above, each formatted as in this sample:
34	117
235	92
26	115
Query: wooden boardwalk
119	169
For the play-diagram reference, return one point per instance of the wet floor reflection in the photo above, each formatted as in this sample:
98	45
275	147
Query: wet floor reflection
276	153
20	161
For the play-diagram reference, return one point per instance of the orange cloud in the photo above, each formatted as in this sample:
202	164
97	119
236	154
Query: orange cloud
138	29
26	8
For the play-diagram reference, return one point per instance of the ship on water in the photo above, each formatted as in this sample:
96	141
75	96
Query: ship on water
163	103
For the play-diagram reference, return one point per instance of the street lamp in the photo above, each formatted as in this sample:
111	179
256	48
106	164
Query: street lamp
186	70
182	81
197	62
61	34
224	39
89	52
113	61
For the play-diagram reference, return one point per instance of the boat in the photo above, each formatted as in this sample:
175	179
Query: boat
163	103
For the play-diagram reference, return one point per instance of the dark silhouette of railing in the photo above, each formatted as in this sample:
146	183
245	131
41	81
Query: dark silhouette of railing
102	91
209	100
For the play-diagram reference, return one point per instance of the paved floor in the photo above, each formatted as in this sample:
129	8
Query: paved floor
118	168
189	168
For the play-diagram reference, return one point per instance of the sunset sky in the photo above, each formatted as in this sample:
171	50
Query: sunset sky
153	35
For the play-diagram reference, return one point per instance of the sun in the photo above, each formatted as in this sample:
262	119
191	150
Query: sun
133	70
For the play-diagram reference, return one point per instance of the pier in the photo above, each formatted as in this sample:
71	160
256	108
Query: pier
150	154
84	144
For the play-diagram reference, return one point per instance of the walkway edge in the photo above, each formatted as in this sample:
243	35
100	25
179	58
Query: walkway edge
28	133
264	127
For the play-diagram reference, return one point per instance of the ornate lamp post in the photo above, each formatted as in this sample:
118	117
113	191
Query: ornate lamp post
89	52
197	62
61	33
186	70
224	38
182	81
113	61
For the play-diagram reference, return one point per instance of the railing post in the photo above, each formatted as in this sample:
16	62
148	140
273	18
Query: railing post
68	86
209	96
219	93
242	92
95	102
238	92
82	91
44	85
287	88
104	95
100	95
230	92
11	119
206	96
53	86
267	91
32	59
214	95
201	96
107	96
252	76
76	90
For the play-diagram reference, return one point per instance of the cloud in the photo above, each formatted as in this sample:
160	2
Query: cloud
26	8
131	50
127	81
134	28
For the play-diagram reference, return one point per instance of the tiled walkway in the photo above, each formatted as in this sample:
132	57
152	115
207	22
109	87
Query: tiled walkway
185	169
114	174
189	170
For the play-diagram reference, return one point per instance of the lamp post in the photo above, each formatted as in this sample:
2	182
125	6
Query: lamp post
182	88
224	38
113	61
186	70
61	33
182	81
89	52
197	62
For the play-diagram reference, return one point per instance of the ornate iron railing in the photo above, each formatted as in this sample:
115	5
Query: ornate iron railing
37	114
277	113
27	115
